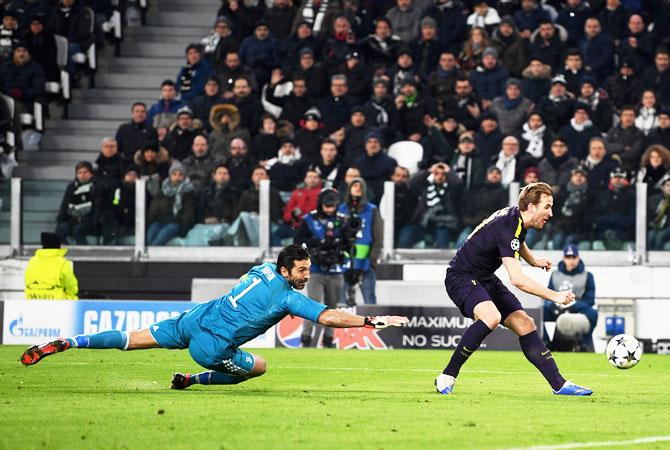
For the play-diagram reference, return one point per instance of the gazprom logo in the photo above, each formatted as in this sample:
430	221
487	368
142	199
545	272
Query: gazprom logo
17	329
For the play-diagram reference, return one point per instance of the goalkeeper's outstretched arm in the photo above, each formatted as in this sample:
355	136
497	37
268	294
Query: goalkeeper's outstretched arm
340	319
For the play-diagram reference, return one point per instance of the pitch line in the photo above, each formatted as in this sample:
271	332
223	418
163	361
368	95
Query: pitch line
647	440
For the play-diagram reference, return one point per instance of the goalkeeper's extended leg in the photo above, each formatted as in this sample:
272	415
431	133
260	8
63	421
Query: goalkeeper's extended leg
241	367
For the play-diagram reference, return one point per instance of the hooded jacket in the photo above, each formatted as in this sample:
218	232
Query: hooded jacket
377	230
221	137
49	276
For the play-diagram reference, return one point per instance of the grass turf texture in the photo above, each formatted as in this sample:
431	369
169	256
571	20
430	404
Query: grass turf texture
325	399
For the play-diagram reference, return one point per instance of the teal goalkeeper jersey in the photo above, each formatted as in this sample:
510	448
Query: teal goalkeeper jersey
260	299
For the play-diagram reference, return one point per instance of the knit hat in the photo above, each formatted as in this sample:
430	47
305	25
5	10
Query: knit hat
374	134
493	168
131	168
194	46
357	109
352	55
306	51
176	167
618	172
586	79
312	114
490	51
530	170
513	82
508	20
571	250
664	111
261	23
579	169
488	115
40	17
559	79
50	240
185	110
583	106
222	19
428	22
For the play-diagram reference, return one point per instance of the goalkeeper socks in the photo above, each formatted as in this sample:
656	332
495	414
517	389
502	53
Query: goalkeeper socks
211	377
470	341
104	339
538	354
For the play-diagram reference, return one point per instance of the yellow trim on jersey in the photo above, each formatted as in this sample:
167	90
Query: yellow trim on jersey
517	233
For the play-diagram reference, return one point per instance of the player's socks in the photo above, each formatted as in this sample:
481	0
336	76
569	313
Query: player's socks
212	377
471	340
538	354
104	339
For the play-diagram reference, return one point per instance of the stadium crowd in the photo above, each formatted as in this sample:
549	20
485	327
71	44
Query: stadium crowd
311	95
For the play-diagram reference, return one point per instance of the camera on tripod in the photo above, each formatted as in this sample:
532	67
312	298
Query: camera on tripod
333	249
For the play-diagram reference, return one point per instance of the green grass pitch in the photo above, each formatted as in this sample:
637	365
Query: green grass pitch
326	399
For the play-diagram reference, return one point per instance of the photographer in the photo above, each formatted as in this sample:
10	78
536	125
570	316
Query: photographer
325	232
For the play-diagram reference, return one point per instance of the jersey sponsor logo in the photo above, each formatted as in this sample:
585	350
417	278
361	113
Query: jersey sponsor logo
515	244
269	273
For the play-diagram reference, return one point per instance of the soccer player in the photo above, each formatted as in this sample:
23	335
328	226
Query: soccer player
481	296
214	331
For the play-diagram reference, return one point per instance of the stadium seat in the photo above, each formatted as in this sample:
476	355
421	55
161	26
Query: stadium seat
64	86
408	154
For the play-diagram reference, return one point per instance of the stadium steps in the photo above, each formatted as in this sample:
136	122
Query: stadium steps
149	55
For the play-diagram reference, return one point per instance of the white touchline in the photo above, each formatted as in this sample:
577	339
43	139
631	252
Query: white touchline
647	440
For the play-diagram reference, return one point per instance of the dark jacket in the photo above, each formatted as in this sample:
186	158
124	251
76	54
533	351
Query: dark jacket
76	26
218	201
556	171
316	80
132	137
575	218
202	105
178	142
598	176
598	54
199	168
309	143
280	20
42	48
336	111
627	144
286	177
478	204
573	20
292	107
160	210
249	200
556	114
659	82
488	145
22	83
80	204
614	23
376	170
578	141
191	79
452	26
489	84
251	110
550	52
257	54
530	20
512	51
534	88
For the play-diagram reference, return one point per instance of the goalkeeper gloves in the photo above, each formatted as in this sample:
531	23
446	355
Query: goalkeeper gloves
379	322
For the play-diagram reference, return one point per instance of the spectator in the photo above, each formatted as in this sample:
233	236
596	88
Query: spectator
135	135
27	10
427	50
302	201
579	131
661	135
572	16
488	139
260	52
654	168
380	48
489	78
614	19
657	78
549	43
172	210
598	51
530	175
574	71
319	17
314	73
9	34
411	108
529	17
193	76
42	47
217	202
451	15
600	107
510	162
380	109
354	135
368	245
647	112
437	211
225	122
217	45
404	201
512	47
73	20
571	275
240	164
557	107
242	15
622	86
293	105
402	70
287	169
376	167
279	18
536	80
110	167
479	203
153	166
483	16
250	108
231	70
329	167
308	138
473	49
117	216
573	213
443	80
335	109
164	112
301	38
658	213
405	18
79	209
198	165
598	165
556	168
536	138
466	164
266	143
179	139
638	46
615	212
442	139
625	141
203	104
468	104
511	107
49	276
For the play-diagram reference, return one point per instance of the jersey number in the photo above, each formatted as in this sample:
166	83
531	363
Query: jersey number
233	299
499	213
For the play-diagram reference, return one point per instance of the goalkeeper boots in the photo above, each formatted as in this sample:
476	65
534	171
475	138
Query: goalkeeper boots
444	384
570	388
35	353
180	380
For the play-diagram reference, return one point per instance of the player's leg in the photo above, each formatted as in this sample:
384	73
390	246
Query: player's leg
241	367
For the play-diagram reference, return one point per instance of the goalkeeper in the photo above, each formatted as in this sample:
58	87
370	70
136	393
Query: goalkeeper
214	331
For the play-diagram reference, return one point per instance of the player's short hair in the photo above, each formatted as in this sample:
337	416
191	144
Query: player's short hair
532	193
290	254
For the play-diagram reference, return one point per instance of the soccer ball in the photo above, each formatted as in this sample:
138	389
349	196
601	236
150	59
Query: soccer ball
623	351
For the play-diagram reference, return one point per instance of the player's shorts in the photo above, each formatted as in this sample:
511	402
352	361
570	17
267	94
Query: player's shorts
467	291
207	349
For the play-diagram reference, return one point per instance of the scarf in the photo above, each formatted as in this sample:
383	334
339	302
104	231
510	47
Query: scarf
463	169
578	127
576	195
660	214
535	139
591	163
170	190
382	117
510	103
410	100
309	16
555	99
557	162
507	165
284	159
592	101
646	119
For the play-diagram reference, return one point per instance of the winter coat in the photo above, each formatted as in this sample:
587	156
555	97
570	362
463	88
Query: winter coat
302	201
359	79
578	142
226	77
43	51
510	120
163	113
292	107
49	276
160	211
534	88
316	80
26	10
439	205
512	51
581	220
280	21
488	145
598	176
309	143
154	172
191	79
262	55
557	177
659	82
573	21
405	24
452	27
426	54
264	146
240	170
627	144
641	56
598	55
109	173
249	200
658	136
77	26
489	84
530	20
199	168
375	170
220	138
439	146
555	114
481	202
615	210
601	112
573	78
178	141
285	177
614	23
353	145
217	201
550	52
131	137
202	105
622	91
336	111
80	204
251	110
23	83
469	168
